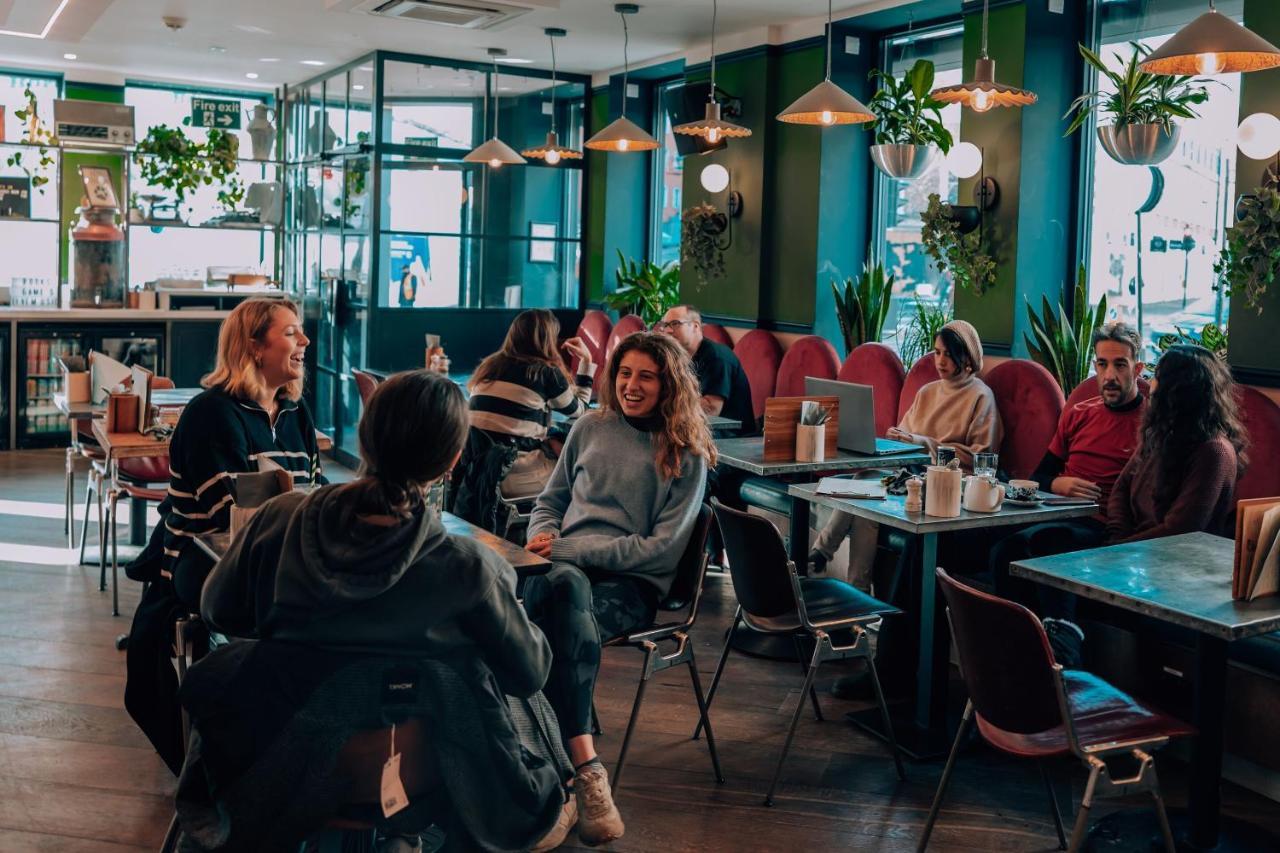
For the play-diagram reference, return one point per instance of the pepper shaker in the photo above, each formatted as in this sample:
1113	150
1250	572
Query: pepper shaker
914	501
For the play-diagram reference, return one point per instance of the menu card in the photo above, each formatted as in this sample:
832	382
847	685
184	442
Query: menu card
1256	572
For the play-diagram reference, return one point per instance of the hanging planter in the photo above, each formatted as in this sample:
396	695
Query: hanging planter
1139	144
909	129
904	162
700	245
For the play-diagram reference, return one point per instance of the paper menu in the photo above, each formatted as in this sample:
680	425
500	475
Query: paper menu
842	487
141	387
105	373
1256	571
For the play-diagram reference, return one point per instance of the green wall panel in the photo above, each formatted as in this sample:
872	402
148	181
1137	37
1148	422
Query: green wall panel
72	190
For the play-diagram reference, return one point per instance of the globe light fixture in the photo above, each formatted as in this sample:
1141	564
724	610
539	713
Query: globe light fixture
964	160
622	134
1212	44
1258	136
712	128
826	104
494	152
714	178
983	92
552	152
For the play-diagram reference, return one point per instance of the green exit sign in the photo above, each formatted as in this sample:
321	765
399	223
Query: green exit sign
211	112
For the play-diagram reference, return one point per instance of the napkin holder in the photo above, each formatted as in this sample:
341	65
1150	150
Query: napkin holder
942	492
122	413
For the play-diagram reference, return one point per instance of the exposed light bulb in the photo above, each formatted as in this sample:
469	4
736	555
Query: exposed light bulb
828	117
495	163
624	144
982	101
552	157
1209	63
713	135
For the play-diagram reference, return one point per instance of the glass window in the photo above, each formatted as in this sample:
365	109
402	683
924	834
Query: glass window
1156	268
31	275
899	204
668	179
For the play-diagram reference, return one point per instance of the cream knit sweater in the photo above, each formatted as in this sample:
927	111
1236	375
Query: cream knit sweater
959	413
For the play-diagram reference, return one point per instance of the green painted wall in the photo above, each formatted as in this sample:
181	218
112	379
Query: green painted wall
1253	347
72	190
597	192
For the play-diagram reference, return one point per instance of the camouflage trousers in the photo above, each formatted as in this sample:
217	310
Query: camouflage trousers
578	614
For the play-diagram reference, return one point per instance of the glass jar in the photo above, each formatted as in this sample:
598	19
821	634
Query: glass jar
98	253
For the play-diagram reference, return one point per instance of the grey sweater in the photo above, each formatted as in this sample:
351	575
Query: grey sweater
609	507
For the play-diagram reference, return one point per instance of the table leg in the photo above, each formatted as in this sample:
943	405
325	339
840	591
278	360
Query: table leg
934	648
1209	691
137	522
800	534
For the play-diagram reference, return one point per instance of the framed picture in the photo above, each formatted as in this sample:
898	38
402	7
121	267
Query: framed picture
98	187
542	248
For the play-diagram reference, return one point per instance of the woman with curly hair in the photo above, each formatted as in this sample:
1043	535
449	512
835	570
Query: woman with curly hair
614	519
1182	478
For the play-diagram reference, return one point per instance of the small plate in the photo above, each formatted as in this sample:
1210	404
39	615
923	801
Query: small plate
1030	503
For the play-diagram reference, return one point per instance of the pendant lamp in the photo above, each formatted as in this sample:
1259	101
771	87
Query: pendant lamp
552	152
983	92
1212	44
827	104
494	151
622	134
712	128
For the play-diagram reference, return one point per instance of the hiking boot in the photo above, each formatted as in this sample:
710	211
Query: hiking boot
1067	641
598	818
557	834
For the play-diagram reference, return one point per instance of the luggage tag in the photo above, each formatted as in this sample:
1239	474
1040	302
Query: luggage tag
394	799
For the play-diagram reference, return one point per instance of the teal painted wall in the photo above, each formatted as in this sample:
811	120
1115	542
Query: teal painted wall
599	202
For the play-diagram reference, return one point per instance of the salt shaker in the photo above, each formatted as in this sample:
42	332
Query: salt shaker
914	502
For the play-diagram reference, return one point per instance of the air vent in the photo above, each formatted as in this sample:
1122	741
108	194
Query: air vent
462	14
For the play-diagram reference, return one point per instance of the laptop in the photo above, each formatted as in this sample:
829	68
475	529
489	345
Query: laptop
857	427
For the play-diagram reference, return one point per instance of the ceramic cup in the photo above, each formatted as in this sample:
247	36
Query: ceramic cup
1022	490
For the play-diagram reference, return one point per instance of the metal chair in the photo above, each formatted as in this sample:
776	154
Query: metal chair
366	383
190	636
773	598
1028	706
687	588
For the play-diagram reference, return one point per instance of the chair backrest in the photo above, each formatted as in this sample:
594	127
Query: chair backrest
686	589
717	333
1005	659
1262	422
594	331
361	758
365	383
808	356
924	371
149	469
757	562
1030	403
760	355
628	325
161	383
1088	389
877	365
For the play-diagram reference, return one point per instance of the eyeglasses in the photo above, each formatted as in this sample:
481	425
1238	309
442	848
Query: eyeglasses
670	325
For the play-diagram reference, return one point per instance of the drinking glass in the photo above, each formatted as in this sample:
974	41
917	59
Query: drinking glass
945	454
985	464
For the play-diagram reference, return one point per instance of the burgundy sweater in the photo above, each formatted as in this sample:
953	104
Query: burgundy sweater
1202	501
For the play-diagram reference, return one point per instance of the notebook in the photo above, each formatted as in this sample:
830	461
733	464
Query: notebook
1256	571
841	487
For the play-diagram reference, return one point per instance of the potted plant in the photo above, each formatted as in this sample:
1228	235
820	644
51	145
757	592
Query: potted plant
700	246
909	129
166	157
955	249
927	319
1212	337
222	151
861	308
1061	341
1140	111
35	133
1250	259
644	289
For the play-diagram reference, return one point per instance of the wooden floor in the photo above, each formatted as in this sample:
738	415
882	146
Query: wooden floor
76	776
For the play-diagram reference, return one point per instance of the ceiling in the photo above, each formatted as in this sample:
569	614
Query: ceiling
222	41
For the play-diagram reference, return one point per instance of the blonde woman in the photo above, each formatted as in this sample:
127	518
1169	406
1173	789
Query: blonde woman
250	414
614	518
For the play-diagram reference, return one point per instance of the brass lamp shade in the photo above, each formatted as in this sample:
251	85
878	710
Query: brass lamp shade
712	128
826	104
622	134
552	151
983	92
1212	44
495	152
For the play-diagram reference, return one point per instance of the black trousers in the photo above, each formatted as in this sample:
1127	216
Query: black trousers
1043	540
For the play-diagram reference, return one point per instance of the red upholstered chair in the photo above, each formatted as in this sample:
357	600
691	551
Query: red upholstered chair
628	325
921	374
594	331
1262	421
808	356
1028	706
761	355
1030	403
1088	389
876	365
365	383
717	333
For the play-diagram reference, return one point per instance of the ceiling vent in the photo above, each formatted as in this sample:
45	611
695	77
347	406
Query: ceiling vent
462	14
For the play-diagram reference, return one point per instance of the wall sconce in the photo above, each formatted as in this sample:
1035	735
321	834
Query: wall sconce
965	160
715	179
1258	138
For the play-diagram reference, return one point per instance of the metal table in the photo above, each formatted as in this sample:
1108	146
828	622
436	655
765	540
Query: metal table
1184	581
925	732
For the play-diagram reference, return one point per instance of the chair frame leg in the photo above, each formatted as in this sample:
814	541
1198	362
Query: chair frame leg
170	843
103	524
724	656
114	500
616	781
885	719
88	498
965	722
1053	804
813	694
795	719
1081	827
704	712
69	521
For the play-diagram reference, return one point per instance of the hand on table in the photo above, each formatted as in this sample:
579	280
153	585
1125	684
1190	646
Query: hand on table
901	435
540	545
1075	487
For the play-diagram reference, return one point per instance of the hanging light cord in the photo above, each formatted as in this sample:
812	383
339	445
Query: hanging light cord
495	98
552	39
626	67
711	95
828	39
984	29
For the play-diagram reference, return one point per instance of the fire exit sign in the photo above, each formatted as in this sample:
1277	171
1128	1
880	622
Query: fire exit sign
212	112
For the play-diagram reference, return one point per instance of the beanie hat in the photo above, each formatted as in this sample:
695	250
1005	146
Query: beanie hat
972	343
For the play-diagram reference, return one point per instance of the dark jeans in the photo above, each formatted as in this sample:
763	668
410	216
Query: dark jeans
579	614
1043	540
189	573
151	685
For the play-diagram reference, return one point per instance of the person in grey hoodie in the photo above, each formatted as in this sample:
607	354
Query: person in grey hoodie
614	518
367	567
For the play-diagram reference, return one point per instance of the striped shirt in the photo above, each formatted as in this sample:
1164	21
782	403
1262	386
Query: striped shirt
520	397
217	437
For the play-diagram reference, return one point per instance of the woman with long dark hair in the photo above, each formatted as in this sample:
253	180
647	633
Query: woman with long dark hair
1182	477
514	390
614	518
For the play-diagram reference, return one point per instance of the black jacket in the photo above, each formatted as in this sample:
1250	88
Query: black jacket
474	483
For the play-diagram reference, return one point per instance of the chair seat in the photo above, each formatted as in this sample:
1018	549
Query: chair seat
140	492
91	451
826	600
1102	714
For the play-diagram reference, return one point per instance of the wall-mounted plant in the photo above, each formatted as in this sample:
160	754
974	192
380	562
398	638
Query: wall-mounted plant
222	151
908	122
1135	122
700	246
926	320
166	157
1061	340
1250	260
863	305
34	132
644	289
1212	337
953	251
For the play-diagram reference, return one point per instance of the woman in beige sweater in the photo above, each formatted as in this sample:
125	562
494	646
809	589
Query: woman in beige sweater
957	411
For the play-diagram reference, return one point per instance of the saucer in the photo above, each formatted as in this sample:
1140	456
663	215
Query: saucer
1028	503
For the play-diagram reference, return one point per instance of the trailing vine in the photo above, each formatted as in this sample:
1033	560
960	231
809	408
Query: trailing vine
34	133
700	230
1250	259
961	255
166	157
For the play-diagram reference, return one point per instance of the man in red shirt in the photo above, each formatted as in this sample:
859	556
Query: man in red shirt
1094	440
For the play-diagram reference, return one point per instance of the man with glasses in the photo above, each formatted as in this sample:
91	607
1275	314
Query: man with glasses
1094	440
725	390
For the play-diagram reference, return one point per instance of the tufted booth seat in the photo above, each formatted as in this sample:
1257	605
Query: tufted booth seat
877	365
628	325
1262	421
716	332
808	356
1030	403
760	355
594	331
